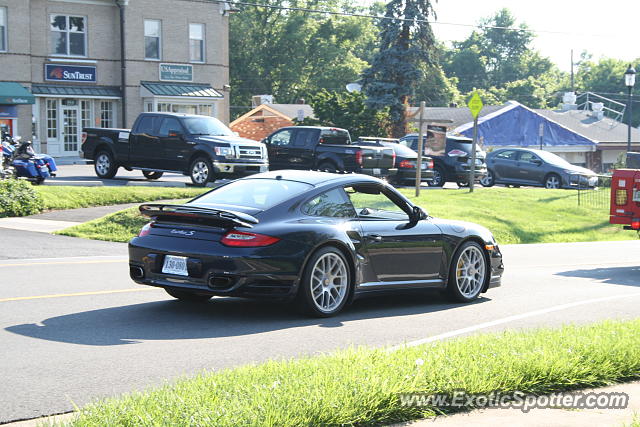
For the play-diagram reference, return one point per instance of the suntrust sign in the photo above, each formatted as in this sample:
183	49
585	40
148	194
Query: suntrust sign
69	73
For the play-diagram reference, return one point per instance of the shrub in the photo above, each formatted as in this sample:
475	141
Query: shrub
18	198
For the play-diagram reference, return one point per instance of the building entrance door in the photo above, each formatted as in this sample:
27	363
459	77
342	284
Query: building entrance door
70	130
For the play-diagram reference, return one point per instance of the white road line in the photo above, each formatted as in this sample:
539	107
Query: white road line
509	319
62	259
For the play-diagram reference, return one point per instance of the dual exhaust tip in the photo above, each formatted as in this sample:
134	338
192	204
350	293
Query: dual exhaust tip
136	272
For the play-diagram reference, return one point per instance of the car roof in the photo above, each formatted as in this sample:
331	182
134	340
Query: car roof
163	113
314	178
313	127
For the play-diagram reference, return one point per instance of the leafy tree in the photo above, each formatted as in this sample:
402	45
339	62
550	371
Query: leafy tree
348	110
292	54
407	44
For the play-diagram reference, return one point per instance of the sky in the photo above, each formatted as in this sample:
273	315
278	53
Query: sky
606	28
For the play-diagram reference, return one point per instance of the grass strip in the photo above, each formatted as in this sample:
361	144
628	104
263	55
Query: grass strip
514	215
72	197
362	386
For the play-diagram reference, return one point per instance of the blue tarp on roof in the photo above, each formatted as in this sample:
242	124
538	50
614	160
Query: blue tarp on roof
517	125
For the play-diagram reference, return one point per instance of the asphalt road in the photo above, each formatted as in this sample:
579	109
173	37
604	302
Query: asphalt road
75	328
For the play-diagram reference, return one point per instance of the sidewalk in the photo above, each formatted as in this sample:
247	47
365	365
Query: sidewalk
544	417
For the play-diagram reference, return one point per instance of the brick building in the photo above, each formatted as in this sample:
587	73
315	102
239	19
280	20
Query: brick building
266	118
61	66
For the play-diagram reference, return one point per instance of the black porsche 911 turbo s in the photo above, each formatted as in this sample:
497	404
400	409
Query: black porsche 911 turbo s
316	238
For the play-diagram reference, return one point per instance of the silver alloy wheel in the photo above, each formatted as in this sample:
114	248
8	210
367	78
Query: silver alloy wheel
103	164
437	177
487	180
329	282
552	182
470	271
200	172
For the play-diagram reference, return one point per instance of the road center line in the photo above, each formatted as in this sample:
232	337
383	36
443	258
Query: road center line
509	319
78	294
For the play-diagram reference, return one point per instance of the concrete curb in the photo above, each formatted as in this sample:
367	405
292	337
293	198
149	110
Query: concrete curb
37	225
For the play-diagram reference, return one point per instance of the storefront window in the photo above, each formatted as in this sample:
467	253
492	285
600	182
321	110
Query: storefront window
196	42
184	109
206	110
68	35
52	119
3	29
164	108
86	109
106	114
152	39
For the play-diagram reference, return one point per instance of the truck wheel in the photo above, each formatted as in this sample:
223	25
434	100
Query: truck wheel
438	178
328	167
104	165
152	174
201	171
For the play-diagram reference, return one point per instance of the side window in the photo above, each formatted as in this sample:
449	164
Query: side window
304	137
146	126
282	138
169	124
528	157
372	204
507	155
333	203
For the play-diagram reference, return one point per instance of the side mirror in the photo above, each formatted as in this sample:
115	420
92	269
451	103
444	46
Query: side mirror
536	162
265	141
418	214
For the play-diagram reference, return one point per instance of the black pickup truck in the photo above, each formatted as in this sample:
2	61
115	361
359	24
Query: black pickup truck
325	148
198	146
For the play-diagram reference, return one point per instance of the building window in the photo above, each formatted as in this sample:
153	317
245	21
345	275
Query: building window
3	29
164	108
106	114
206	110
86	112
52	119
196	42
68	35
152	39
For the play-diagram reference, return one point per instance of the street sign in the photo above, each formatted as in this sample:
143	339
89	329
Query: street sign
475	105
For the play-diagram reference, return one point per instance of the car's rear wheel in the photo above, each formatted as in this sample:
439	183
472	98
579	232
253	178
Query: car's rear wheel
201	171
468	272
438	178
328	167
488	180
104	165
188	296
152	174
552	181
326	283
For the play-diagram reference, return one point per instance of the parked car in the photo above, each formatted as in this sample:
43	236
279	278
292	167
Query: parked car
527	166
451	162
406	160
315	238
201	147
327	149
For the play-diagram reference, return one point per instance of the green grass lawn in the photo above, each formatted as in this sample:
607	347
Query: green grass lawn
514	215
71	197
362	386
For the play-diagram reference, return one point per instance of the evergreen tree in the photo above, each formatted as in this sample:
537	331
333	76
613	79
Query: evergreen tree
407	44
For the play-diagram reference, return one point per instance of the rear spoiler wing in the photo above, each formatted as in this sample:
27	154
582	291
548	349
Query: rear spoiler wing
240	219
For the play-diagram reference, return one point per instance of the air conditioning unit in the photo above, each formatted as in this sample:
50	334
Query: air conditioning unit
257	100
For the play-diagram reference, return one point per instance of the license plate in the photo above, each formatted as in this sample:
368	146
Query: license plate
175	265
377	171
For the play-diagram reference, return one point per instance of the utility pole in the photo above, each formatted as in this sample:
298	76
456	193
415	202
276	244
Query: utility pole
420	149
573	89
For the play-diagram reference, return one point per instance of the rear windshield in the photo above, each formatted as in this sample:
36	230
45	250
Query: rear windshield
335	136
401	149
206	126
254	193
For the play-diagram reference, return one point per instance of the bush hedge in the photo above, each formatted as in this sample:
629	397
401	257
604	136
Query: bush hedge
19	198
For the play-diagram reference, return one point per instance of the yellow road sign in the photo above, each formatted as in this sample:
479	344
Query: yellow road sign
475	105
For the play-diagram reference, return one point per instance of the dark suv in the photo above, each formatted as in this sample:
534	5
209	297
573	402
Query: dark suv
451	160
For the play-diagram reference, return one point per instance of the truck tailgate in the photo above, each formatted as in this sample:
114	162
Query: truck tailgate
377	157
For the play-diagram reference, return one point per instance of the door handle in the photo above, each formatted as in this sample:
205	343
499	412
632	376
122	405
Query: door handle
375	237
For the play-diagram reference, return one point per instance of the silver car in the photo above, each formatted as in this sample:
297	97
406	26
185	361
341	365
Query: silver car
525	166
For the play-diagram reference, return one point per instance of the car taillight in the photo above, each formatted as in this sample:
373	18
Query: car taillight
359	157
146	229
247	240
84	137
406	164
430	164
635	223
393	162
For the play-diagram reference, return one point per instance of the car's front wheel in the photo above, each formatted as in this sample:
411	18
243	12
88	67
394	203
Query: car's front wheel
552	181
468	272
187	296
201	171
326	283
488	180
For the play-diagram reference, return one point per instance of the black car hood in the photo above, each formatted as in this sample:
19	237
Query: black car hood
216	139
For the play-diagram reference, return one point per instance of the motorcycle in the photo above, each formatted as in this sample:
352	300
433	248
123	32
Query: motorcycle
22	161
